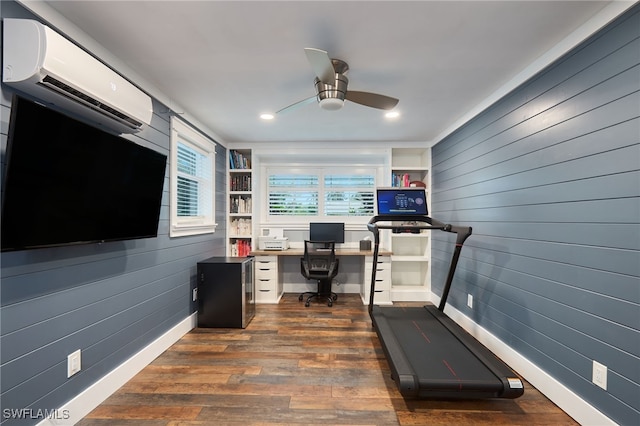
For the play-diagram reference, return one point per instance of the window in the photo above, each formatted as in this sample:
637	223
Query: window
349	195
333	192
293	194
192	181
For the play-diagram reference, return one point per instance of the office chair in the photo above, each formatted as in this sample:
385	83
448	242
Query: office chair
319	263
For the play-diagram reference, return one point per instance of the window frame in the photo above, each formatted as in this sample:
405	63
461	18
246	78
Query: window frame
311	169
180	226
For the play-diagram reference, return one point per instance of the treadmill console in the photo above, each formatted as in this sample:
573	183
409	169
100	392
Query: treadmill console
411	201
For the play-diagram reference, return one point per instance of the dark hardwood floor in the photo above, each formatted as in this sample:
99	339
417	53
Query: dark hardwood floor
295	366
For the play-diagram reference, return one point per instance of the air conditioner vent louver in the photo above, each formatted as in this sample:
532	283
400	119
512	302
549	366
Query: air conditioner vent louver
69	91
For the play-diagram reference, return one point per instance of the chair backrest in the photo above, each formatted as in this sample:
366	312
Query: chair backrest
320	256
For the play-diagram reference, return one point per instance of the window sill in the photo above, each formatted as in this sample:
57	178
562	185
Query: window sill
188	230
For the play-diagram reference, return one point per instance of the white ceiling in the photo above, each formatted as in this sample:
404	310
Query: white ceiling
225	62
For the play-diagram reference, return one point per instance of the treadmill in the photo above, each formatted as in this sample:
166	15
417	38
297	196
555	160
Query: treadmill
430	356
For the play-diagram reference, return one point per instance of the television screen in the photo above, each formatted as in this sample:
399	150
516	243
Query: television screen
70	183
326	231
402	201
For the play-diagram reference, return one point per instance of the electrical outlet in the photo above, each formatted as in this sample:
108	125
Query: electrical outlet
195	294
74	363
599	375
470	301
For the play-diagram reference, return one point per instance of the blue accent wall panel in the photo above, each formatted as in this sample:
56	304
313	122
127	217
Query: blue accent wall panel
109	300
549	179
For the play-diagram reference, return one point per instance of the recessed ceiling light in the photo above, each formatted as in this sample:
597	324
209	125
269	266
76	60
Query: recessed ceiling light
266	116
392	114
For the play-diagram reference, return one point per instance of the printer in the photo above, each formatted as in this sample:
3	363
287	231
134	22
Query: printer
273	243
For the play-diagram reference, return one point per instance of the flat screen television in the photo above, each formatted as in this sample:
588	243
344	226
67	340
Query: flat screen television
67	182
326	231
409	201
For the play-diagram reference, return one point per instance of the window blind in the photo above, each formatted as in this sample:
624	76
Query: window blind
322	193
194	189
293	194
349	195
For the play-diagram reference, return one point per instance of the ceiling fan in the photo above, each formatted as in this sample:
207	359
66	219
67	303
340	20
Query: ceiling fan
331	85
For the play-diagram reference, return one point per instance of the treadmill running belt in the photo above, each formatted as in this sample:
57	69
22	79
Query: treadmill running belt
429	360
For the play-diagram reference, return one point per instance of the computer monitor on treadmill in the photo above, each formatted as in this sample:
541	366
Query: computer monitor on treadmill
407	201
327	231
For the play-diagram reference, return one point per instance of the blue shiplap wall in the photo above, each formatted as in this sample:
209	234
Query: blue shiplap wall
110	300
549	178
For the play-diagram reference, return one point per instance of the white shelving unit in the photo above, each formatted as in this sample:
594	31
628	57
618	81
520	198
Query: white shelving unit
240	208
410	162
410	266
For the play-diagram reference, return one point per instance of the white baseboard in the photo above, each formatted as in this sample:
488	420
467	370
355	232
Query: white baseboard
90	398
576	407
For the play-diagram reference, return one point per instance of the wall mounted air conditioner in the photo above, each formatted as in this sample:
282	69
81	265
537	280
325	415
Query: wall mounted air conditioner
45	65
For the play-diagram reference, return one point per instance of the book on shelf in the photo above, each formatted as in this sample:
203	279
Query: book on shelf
240	248
237	160
400	179
241	226
240	204
240	183
404	180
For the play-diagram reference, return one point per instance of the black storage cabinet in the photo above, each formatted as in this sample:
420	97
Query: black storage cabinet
226	292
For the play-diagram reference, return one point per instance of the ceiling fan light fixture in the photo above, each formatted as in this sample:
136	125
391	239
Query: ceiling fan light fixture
331	85
331	104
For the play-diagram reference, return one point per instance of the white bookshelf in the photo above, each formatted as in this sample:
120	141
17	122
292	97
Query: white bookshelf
240	203
410	262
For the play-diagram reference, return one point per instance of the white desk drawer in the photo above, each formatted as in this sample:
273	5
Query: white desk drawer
381	260
381	284
382	297
266	266
266	285
383	264
270	274
382	269
266	296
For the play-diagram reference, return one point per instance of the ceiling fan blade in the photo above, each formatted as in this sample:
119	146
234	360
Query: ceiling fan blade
296	105
321	64
372	100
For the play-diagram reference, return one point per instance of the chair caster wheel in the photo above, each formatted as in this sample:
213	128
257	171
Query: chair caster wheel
300	298
330	304
335	297
306	304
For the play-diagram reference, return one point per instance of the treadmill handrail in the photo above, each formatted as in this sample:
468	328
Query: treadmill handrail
462	233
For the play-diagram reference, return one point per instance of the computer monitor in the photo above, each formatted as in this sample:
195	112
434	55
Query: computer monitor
410	201
326	231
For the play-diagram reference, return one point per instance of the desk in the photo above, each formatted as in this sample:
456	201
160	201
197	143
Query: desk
277	271
339	252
